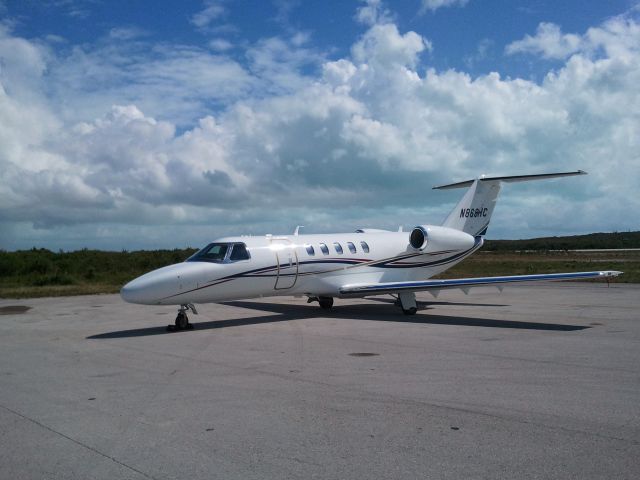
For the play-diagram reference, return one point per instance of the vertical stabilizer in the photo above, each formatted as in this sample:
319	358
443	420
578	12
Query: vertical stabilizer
473	213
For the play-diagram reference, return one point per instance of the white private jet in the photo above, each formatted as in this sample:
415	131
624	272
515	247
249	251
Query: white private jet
344	265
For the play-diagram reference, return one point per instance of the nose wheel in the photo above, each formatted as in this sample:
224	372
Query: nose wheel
182	320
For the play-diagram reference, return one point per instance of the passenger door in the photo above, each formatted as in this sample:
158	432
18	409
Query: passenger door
287	260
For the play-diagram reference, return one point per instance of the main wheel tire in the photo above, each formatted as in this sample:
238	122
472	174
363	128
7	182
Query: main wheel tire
325	302
409	311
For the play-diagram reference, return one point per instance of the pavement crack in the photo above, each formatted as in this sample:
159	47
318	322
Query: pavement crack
77	442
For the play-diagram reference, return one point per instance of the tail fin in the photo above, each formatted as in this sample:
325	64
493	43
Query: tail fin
473	213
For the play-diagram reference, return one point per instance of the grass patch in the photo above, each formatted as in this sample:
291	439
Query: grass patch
489	264
56	291
42	273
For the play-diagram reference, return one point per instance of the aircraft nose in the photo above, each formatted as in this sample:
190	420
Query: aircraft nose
162	286
152	287
138	291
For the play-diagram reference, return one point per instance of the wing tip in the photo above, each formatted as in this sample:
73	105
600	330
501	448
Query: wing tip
610	273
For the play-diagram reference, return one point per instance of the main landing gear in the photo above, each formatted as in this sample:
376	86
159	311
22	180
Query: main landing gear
182	321
407	301
325	302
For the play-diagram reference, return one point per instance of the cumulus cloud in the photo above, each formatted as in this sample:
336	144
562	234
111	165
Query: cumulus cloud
278	63
292	137
373	12
548	41
383	45
618	37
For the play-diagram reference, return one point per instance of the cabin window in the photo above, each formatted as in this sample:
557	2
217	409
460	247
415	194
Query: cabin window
338	247
324	248
239	252
352	247
365	247
310	250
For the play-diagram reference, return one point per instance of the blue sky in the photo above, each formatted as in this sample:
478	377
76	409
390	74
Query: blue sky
164	124
456	31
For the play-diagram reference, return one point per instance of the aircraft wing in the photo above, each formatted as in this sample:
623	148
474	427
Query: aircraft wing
434	286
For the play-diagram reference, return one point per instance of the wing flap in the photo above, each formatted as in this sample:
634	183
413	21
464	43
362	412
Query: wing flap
434	286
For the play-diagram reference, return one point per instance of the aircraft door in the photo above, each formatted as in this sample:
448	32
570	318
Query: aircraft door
287	260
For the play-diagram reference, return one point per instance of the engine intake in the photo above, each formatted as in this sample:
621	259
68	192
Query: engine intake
419	238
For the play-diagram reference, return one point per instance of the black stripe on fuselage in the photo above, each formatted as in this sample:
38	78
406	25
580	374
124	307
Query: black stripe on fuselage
387	263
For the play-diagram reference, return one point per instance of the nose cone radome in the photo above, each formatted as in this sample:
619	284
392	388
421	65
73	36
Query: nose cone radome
133	292
141	290
162	285
152	287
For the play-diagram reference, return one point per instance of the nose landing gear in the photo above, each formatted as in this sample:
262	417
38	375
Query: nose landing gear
182	320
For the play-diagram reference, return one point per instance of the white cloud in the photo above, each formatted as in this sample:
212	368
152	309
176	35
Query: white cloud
482	52
170	81
618	37
383	45
352	142
433	5
126	33
548	41
220	45
278	63
213	10
372	12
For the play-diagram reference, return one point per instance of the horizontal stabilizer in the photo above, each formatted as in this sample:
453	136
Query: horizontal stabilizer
362	290
512	178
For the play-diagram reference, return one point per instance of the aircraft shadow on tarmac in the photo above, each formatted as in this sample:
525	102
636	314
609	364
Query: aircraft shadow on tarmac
371	312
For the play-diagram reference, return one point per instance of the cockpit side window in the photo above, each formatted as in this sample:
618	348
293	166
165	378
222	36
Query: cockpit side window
239	252
214	252
221	252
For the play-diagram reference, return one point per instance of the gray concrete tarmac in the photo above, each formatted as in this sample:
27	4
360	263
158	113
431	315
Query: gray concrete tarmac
535	382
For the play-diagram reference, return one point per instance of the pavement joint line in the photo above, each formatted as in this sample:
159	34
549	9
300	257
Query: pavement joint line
77	442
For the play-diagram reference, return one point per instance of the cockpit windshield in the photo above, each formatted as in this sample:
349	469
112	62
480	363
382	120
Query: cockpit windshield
221	252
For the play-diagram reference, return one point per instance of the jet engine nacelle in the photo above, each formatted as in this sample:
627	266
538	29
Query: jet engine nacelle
434	238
